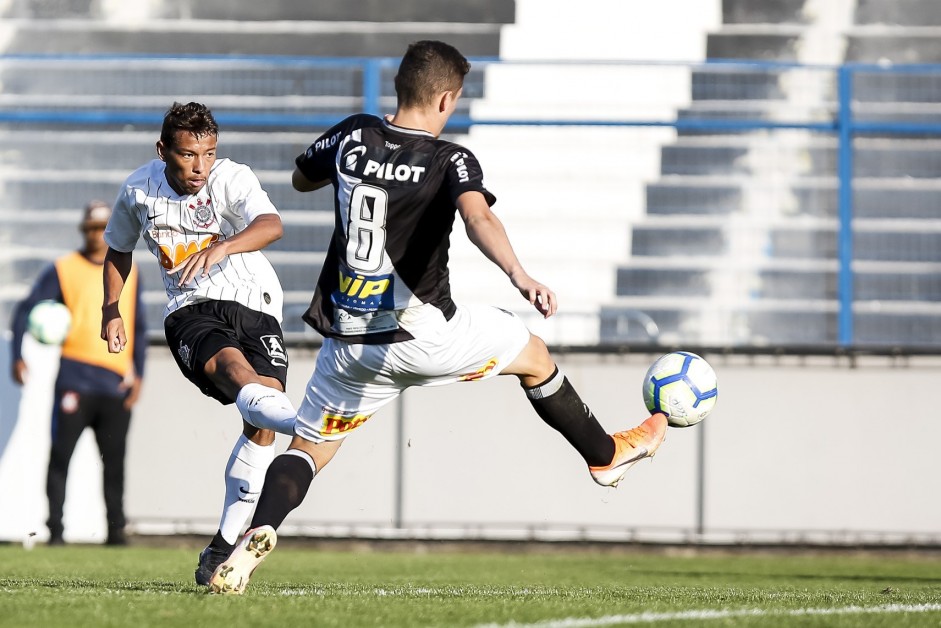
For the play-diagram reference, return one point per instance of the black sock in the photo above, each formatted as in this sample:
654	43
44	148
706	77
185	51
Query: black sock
220	543
557	403
286	484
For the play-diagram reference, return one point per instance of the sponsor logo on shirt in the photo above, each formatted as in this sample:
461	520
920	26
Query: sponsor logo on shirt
324	143
361	293
392	172
174	255
351	159
458	159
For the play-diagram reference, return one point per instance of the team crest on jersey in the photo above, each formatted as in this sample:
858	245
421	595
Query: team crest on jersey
202	213
275	349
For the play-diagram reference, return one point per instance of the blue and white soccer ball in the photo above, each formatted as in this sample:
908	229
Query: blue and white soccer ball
681	385
49	322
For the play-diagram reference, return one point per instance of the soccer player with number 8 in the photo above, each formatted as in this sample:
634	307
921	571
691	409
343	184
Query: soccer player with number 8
383	301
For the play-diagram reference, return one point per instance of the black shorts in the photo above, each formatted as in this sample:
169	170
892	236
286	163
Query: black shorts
195	333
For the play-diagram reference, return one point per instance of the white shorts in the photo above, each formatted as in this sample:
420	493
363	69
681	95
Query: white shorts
352	381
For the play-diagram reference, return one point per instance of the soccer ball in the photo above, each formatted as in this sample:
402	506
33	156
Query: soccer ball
682	386
49	322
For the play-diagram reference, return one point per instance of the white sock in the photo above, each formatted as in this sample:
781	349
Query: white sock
266	408
244	477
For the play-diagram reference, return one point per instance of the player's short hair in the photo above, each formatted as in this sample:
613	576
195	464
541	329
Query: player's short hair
428	69
193	117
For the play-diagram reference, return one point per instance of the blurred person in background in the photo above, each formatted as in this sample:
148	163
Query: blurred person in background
94	388
206	221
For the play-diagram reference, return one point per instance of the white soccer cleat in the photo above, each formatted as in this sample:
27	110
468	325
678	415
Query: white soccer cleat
232	576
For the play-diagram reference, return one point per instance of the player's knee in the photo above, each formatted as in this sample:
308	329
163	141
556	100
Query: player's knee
258	435
534	363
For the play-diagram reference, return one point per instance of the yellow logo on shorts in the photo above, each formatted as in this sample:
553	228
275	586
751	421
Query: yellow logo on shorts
481	372
338	423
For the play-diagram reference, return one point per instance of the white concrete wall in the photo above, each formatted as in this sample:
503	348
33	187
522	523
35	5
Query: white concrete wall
795	449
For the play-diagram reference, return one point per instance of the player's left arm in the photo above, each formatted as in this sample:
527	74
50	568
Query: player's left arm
301	183
488	234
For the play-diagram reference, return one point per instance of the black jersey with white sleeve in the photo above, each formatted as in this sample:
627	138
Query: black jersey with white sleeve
386	273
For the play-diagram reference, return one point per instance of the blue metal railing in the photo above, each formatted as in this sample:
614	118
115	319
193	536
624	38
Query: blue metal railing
376	95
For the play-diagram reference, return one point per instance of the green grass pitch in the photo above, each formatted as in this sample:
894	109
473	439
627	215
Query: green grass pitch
514	585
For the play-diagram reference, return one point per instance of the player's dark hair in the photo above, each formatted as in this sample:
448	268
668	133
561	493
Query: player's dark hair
427	69
192	117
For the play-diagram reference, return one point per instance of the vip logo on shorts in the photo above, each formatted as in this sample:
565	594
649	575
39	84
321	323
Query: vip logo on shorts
275	349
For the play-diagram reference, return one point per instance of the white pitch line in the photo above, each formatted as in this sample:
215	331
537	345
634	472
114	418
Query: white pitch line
651	618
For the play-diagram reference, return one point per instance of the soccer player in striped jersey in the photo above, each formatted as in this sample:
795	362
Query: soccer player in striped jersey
383	300
206	221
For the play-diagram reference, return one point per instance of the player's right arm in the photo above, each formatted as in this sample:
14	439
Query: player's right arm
121	235
487	233
117	267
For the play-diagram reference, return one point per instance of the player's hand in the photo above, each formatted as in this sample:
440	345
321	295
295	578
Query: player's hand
538	295
198	264
19	371
132	385
112	331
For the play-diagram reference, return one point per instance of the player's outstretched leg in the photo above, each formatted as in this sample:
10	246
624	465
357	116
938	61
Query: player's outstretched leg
608	456
233	574
631	446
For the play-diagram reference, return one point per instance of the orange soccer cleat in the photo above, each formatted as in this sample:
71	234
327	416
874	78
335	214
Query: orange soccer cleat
630	447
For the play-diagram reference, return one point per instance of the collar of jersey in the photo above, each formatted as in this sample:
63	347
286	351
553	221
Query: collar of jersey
405	130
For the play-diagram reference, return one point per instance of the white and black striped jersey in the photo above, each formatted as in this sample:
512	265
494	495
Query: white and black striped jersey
174	227
396	189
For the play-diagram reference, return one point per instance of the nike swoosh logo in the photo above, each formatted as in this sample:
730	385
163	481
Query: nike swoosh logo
245	491
640	455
